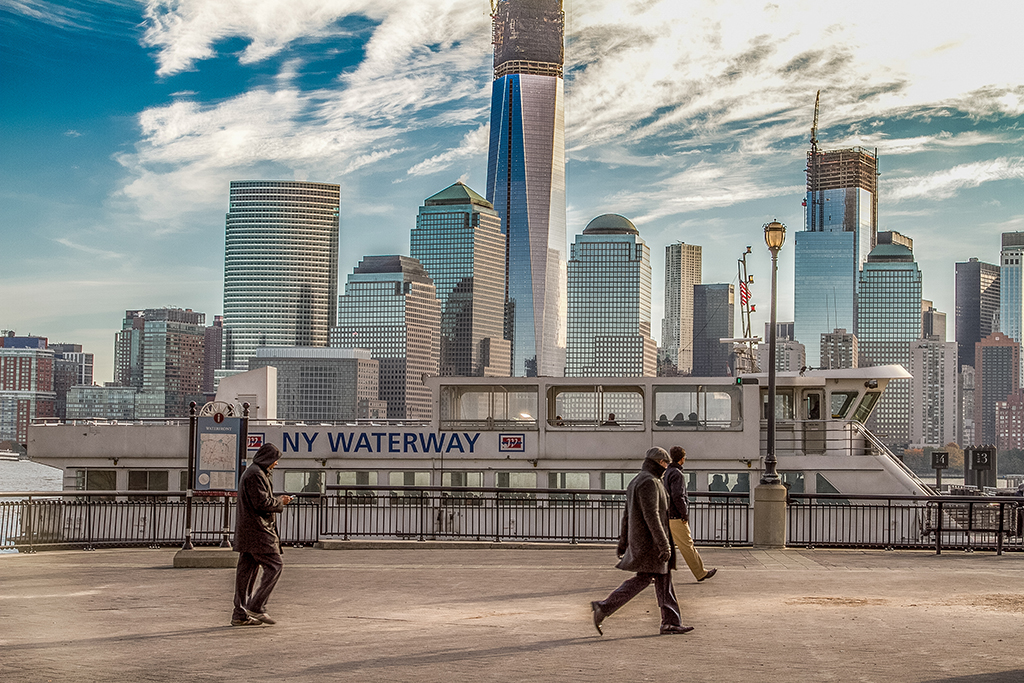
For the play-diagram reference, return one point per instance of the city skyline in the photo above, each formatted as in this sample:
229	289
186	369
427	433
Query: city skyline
124	125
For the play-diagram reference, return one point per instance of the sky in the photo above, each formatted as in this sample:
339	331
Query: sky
122	123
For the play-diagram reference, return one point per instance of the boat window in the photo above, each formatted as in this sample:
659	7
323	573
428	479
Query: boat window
784	407
568	480
823	485
698	407
462	479
866	405
794	481
517	480
812	405
841	403
488	407
146	480
735	482
299	481
596	406
358	497
616	481
96	480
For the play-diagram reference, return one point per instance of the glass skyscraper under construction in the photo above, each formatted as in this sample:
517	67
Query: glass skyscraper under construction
841	224
526	179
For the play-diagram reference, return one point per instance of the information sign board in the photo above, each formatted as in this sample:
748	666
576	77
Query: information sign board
219	453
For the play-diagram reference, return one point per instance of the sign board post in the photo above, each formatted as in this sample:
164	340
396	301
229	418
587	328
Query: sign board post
940	461
980	466
187	545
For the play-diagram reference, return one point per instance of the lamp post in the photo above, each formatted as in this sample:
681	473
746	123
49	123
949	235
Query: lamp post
774	237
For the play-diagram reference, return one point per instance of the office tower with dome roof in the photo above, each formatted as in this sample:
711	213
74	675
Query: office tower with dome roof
526	178
609	297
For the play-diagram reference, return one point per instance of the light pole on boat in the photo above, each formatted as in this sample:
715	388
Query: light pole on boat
774	237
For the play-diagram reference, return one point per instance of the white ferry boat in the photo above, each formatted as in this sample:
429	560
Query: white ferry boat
544	432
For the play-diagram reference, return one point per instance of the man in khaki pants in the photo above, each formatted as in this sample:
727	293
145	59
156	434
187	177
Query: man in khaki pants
679	515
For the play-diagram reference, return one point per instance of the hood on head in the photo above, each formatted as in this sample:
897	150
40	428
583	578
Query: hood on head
267	455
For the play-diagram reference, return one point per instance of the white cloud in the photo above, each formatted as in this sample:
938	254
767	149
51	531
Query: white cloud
946	183
93	251
473	145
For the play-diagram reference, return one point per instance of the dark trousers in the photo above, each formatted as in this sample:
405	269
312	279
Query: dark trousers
245	580
663	589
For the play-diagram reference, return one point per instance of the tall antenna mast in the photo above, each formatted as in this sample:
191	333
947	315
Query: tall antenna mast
814	221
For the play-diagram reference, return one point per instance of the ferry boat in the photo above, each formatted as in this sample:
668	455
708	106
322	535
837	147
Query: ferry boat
542	432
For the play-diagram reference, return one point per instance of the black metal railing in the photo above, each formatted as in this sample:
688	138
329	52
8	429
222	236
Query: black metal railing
92	519
863	521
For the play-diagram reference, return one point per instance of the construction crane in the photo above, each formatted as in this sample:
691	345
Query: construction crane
814	125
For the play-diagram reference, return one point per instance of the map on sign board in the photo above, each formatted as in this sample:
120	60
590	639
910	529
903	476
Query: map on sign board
218	452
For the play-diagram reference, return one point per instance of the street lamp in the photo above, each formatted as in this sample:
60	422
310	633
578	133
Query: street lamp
774	237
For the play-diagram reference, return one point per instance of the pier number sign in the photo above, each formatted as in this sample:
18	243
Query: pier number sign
982	459
940	460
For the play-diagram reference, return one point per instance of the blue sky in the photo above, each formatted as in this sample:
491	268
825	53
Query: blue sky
123	122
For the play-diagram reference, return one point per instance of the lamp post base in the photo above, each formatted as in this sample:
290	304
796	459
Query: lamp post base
770	516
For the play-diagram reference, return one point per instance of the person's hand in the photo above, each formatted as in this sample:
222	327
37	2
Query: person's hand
665	556
285	500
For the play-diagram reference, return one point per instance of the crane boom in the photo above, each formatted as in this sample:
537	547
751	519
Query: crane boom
814	125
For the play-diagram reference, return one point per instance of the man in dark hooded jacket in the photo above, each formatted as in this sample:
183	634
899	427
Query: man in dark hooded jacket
256	540
645	547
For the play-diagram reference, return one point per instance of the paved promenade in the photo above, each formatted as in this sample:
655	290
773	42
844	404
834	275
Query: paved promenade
423	614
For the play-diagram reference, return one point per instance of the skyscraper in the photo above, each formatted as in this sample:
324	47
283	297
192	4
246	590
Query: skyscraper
458	240
889	311
26	385
526	178
609	287
996	377
682	271
1011	285
159	351
839	350
280	266
841	223
977	305
713	320
71	367
389	308
934	391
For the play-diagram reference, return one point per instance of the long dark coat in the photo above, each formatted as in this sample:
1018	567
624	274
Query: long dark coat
675	486
255	528
645	543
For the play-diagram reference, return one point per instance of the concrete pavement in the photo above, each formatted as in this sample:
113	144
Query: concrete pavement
416	613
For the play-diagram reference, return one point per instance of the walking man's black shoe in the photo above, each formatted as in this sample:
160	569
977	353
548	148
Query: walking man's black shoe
711	572
599	615
672	629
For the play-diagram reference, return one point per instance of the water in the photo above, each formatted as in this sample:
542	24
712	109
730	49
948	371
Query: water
25	475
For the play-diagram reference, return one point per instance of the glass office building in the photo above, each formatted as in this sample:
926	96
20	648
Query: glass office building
1011	285
889	314
682	271
609	288
458	240
977	305
280	266
713	320
526	179
840	230
389	308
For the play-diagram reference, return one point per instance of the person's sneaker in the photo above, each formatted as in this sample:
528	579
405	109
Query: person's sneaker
248	621
261	617
711	572
673	629
599	615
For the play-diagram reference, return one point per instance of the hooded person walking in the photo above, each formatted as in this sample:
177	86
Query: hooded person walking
645	547
256	540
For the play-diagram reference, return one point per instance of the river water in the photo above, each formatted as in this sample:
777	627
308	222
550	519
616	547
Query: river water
23	475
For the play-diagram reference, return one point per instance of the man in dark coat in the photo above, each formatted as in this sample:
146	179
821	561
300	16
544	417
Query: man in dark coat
256	540
645	547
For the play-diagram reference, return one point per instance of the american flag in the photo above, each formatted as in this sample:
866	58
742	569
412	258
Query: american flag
744	294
